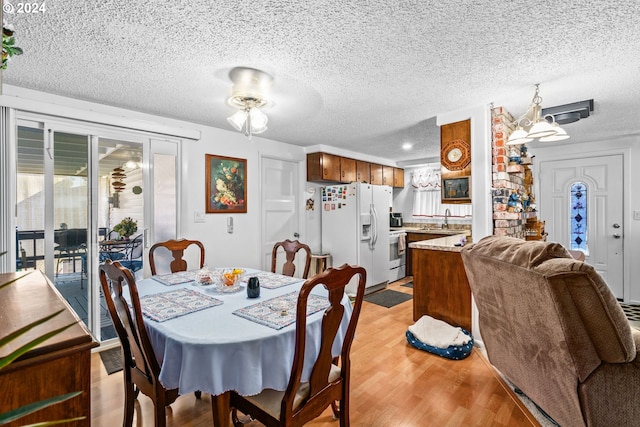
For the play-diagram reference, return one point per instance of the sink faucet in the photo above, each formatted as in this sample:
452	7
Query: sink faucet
447	214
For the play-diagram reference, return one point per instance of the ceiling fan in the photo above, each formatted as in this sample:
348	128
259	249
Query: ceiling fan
256	93
249	94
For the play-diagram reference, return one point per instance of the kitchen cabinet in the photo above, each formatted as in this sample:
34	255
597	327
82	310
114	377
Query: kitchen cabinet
376	174
417	237
363	171
323	167
387	175
60	365
398	178
347	170
440	287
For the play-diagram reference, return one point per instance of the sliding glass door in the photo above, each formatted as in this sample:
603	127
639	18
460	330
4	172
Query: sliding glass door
75	187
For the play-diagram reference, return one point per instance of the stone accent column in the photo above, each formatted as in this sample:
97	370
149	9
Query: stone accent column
506	179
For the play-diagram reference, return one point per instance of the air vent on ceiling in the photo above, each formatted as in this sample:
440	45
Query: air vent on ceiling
570	113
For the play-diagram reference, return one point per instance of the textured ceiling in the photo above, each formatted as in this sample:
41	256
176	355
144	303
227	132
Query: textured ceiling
364	76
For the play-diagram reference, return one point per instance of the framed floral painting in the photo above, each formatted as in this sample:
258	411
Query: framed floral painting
226	184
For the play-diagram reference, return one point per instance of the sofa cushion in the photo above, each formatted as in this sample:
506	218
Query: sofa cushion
518	252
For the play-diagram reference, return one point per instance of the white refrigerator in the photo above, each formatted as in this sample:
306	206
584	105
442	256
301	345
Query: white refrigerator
355	229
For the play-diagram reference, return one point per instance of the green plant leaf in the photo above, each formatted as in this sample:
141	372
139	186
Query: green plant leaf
15	414
31	344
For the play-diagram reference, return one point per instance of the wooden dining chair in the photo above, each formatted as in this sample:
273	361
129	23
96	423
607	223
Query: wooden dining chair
177	248
304	401
291	248
140	365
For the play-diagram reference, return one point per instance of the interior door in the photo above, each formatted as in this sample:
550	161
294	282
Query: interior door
280	217
602	180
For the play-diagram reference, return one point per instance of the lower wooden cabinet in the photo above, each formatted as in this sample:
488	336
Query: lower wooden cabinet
58	366
441	288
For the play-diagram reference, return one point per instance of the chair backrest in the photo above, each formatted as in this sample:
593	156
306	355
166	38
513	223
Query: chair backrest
70	239
112	235
137	249
129	324
322	388
177	248
291	247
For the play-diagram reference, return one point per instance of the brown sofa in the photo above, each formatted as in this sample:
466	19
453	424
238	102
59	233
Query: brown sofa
551	325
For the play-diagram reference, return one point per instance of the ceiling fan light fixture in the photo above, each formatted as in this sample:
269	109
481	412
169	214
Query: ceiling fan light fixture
258	119
237	119
249	96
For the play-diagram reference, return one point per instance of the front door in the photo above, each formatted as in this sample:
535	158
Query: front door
280	208
581	201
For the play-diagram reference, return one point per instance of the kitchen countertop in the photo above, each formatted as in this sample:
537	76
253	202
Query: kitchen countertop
450	232
442	243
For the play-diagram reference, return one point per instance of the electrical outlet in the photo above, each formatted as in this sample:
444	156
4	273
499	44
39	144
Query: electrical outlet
636	215
198	216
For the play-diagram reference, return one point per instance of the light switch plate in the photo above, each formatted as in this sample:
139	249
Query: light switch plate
636	215
198	216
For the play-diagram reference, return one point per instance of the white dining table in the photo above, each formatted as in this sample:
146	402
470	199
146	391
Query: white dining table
214	350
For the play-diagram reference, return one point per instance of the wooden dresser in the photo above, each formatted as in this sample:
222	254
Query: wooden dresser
58	366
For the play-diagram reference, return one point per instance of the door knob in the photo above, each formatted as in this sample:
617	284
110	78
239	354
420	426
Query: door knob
616	225
616	235
296	234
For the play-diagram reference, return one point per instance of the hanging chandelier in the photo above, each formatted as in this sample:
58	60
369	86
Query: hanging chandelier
248	97
533	125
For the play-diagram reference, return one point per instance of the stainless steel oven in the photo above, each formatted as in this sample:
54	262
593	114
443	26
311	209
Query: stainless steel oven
397	256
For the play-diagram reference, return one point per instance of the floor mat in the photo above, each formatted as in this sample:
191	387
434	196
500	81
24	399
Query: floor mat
387	298
112	360
408	285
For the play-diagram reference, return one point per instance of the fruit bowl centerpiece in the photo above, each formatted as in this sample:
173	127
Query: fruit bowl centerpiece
229	280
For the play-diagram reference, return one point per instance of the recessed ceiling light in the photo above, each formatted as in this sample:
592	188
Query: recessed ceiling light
407	146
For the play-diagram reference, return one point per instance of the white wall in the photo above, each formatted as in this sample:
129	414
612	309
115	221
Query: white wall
243	247
629	147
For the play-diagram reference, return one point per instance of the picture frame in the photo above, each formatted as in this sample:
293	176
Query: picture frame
456	190
226	184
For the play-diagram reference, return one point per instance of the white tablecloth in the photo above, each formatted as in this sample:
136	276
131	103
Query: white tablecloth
214	350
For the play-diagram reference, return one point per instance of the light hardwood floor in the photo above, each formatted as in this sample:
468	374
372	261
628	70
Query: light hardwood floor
392	385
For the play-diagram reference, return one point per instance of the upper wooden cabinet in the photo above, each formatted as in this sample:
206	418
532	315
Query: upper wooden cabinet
398	177
324	167
387	175
347	170
363	171
376	174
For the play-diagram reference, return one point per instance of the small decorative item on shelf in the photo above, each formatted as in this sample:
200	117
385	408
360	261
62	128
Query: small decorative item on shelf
515	202
126	227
